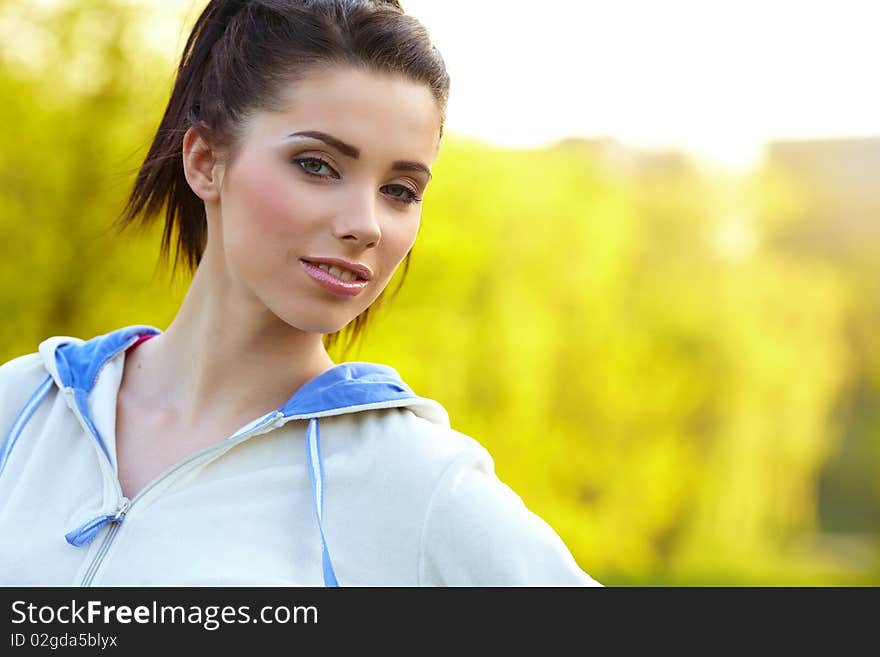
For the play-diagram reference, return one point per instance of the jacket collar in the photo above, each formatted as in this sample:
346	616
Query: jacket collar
347	387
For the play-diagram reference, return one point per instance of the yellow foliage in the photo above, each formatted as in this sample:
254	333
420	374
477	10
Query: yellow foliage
652	371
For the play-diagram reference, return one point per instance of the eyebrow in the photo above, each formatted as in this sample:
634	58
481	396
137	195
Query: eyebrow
354	152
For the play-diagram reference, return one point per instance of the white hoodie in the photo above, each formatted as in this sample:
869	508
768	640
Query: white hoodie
381	492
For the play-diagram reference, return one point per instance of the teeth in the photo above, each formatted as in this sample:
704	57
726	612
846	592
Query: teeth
344	274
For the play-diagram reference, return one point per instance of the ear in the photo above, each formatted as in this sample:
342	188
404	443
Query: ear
200	166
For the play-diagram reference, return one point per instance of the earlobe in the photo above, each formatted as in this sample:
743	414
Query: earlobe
199	166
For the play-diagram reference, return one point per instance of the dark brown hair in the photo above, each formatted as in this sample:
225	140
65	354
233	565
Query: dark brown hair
240	57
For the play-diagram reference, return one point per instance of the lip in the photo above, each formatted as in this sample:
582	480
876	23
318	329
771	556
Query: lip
361	270
332	284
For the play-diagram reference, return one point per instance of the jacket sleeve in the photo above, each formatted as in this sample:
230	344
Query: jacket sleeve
478	532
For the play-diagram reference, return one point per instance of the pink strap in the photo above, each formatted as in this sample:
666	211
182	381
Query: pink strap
139	340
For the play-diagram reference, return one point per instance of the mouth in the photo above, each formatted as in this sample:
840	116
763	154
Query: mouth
333	279
340	269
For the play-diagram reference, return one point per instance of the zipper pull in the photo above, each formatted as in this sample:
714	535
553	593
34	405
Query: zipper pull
120	513
85	533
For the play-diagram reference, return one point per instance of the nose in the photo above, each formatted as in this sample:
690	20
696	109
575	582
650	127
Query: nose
358	223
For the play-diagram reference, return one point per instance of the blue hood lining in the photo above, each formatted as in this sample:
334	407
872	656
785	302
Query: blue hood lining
343	386
79	363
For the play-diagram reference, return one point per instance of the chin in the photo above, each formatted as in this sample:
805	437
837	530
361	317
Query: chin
322	328
322	325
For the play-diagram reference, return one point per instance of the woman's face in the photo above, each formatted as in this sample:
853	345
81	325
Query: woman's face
293	195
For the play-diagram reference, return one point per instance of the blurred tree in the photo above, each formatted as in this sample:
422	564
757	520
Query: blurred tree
71	131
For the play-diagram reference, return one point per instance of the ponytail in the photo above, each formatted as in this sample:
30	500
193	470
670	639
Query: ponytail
161	181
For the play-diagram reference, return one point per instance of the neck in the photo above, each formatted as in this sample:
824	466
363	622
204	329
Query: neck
225	358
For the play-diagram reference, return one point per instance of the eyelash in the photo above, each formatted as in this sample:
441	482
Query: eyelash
411	197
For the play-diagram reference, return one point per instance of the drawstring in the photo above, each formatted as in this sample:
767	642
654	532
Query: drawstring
86	532
22	419
316	473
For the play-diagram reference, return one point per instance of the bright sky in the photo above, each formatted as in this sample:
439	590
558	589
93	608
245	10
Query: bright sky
715	77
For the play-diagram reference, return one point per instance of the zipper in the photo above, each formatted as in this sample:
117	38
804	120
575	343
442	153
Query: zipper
274	419
114	527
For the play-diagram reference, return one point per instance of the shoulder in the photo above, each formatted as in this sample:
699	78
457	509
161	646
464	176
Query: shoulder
403	440
21	380
19	377
467	526
22	366
476	530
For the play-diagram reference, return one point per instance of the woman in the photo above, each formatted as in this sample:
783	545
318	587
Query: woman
230	449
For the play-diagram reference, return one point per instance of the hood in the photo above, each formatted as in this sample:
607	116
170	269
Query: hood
346	388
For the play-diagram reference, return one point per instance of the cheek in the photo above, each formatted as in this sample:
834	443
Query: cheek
410	234
398	242
265	205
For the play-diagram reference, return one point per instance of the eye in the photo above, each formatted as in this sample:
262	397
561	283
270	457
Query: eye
403	194
312	165
304	162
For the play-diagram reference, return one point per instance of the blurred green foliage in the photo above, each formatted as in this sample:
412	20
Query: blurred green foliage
659	370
